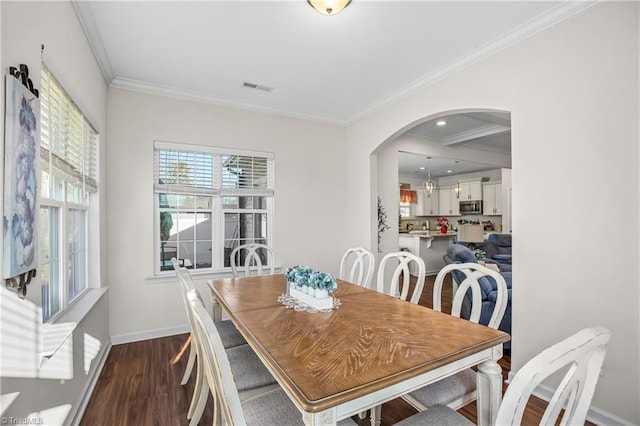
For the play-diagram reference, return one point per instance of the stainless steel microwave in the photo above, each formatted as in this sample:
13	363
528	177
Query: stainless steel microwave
470	207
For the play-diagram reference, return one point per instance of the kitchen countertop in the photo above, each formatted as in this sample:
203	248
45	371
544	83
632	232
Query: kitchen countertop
420	233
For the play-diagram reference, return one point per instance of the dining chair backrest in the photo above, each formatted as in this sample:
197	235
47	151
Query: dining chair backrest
577	360
216	365
259	257
400	289
186	285
472	273
580	356
357	266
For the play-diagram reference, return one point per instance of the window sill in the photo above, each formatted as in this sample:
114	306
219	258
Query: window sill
81	307
56	333
170	276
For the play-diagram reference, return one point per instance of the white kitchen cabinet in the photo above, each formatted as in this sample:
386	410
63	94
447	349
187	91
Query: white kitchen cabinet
492	199
470	191
427	206
449	203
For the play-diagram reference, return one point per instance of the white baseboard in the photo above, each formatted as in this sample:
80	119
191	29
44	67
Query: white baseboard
595	414
149	334
89	386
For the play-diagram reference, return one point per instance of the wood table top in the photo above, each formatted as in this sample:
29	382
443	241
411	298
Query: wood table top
370	342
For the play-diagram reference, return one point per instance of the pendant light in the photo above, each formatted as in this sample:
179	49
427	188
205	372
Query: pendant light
428	186
329	7
457	188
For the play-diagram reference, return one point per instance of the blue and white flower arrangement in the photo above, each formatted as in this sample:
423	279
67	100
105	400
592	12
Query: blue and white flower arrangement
309	281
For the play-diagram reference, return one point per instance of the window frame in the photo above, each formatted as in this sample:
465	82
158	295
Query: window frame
77	173
217	209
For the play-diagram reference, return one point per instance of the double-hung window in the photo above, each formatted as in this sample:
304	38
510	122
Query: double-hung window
68	154
209	200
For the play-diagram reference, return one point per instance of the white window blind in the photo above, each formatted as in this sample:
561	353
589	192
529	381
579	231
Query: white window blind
68	142
183	171
246	175
209	170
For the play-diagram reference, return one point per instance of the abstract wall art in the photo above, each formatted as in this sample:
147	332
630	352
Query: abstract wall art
21	157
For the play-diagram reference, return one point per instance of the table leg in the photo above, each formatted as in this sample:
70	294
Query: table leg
489	389
216	315
376	413
327	417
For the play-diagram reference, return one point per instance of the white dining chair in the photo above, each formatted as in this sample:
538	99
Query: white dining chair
229	333
356	266
259	258
459	389
579	357
269	408
402	261
252	376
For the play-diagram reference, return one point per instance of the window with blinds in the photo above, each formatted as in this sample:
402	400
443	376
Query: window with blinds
209	200
68	142
68	175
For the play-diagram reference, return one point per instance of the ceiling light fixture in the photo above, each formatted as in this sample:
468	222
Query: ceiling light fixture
429	186
457	188
441	123
329	7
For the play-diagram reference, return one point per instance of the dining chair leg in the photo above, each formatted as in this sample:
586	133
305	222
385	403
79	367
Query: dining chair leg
190	362
198	401
199	388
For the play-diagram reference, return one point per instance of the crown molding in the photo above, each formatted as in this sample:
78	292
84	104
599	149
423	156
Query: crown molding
533	26
171	92
492	129
561	12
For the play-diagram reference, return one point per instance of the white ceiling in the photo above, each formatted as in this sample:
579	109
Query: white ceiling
333	69
487	131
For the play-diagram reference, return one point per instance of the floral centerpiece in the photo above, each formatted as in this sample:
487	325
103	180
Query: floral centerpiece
303	281
443	224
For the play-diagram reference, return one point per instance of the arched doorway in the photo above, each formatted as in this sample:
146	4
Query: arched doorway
475	149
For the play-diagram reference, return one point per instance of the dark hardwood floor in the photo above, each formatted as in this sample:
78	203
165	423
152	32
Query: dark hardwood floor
140	385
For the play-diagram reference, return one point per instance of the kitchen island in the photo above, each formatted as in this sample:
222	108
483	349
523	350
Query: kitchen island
431	246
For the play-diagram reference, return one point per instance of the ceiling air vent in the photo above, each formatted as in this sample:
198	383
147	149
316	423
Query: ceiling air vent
257	86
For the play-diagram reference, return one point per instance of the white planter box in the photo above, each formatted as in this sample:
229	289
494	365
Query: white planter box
326	303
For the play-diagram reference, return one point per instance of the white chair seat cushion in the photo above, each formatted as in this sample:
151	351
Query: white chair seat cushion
248	370
438	415
447	390
274	408
229	334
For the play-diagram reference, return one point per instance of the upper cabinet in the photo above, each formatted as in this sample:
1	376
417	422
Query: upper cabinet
470	191
492	199
449	203
427	206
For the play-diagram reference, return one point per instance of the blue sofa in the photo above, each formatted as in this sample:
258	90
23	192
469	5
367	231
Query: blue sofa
458	253
498	249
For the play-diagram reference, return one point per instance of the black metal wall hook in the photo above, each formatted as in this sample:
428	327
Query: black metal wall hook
19	283
22	74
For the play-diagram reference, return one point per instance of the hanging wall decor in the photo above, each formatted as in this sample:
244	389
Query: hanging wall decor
22	147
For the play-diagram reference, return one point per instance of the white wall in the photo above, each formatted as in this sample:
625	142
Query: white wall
573	95
25	26
310	195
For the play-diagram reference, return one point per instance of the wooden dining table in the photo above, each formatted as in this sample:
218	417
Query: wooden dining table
371	349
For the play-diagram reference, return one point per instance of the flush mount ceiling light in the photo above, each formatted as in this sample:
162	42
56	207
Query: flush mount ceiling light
329	7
